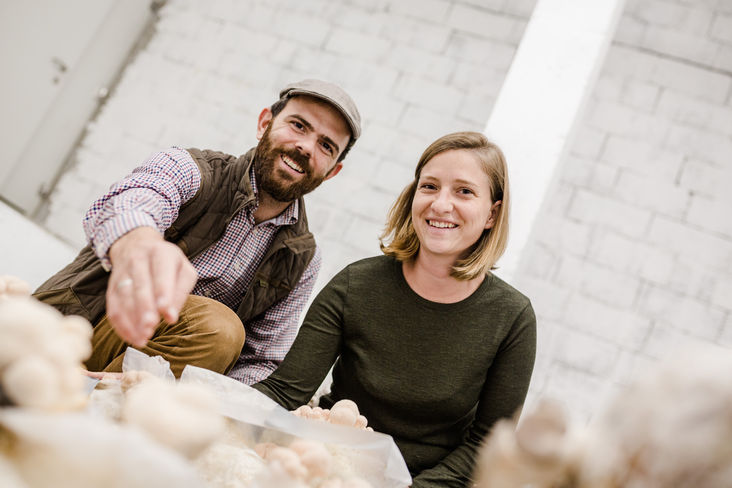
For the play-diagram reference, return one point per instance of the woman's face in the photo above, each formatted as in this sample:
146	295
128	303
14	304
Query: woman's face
452	204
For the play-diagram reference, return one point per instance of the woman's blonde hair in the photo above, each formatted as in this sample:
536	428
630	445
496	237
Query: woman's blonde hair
399	238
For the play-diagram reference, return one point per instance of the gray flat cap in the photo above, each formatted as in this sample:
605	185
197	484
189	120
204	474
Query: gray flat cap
332	94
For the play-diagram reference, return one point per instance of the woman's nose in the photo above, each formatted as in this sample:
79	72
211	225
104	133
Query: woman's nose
442	202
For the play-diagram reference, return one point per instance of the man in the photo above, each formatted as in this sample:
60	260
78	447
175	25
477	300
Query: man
217	246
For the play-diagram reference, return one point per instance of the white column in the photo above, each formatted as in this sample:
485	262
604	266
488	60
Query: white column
554	70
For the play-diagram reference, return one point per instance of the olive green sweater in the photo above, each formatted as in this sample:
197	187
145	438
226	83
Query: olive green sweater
434	376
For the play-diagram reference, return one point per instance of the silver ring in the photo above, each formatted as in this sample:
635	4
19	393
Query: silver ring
124	283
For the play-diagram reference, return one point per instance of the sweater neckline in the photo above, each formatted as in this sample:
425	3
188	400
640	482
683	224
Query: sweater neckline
465	302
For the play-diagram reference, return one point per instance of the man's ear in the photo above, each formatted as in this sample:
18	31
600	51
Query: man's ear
334	170
492	215
265	118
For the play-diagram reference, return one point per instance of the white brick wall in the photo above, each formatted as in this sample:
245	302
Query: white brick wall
649	174
632	253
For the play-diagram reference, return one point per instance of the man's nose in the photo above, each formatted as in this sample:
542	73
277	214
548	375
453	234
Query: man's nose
306	145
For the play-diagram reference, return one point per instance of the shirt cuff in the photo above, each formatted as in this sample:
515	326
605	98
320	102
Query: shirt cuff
113	228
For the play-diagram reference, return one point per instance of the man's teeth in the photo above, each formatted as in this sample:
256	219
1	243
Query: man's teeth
289	162
441	225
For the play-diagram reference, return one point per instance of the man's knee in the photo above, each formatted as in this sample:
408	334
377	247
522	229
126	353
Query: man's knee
213	326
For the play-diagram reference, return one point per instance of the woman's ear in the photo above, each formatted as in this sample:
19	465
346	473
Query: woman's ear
492	215
265	117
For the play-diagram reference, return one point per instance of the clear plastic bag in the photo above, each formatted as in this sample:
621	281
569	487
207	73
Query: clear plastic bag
372	456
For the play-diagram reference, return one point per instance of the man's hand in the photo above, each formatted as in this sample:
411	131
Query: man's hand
150	278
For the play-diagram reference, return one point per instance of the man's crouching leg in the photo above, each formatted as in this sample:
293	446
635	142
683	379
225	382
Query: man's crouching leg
208	334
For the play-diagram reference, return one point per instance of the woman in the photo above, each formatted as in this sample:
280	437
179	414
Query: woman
430	344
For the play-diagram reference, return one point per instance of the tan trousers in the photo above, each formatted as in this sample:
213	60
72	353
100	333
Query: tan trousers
208	334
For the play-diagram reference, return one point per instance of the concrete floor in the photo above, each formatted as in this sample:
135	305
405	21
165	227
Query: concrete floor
28	251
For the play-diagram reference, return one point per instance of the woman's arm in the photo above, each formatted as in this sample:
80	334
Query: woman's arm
503	394
314	351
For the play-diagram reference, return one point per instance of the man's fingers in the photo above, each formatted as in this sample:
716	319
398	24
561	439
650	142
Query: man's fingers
143	304
184	283
118	314
165	275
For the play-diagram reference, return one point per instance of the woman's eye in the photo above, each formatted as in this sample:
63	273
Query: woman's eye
427	186
466	191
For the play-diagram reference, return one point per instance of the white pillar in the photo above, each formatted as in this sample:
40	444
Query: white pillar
553	72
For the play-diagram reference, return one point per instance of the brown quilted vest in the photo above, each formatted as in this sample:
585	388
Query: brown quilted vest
225	190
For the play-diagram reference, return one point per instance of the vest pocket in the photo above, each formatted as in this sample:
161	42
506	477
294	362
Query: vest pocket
64	300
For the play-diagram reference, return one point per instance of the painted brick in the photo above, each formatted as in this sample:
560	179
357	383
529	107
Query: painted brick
391	178
599	282
482	23
665	199
695	112
65	221
612	249
519	8
538	262
723	61
640	95
468	48
477	78
608	88
427	123
588	142
625	219
665	338
548	300
577	170
430	10
363	236
629	365
686	240
658	12
682	313
604	178
629	62
624	328
711	215
430	37
689	47
586	353
698	143
420	92
357	45
630	31
642	157
418	62
567	386
692	80
475	110
725	337
626	121
722	27
380	107
722	295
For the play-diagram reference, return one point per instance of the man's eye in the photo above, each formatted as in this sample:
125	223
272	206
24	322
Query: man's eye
298	125
327	147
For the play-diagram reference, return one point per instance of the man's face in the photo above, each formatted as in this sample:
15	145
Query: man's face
299	148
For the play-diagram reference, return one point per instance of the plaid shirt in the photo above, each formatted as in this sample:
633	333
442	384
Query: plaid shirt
152	195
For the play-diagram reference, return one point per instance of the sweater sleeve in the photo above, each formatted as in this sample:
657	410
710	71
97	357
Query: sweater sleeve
503	394
314	351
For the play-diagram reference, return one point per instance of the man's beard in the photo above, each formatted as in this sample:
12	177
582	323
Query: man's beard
276	182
